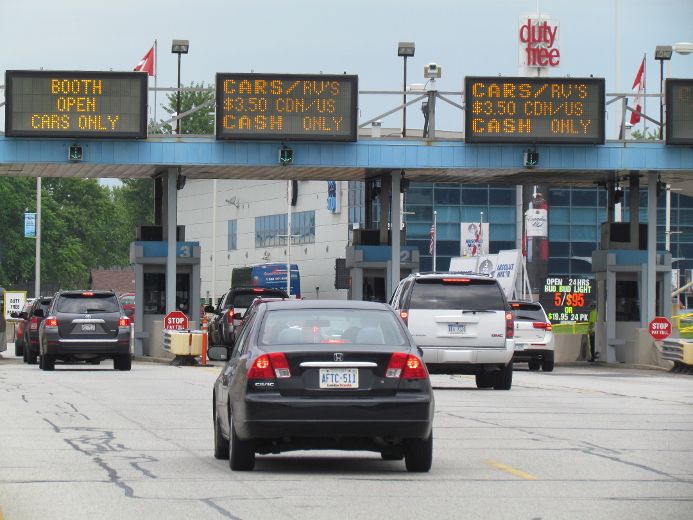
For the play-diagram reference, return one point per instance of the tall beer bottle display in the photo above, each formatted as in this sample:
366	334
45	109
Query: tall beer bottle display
536	248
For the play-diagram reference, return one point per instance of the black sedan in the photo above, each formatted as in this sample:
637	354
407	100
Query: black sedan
323	375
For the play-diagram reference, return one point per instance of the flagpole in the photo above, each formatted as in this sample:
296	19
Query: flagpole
479	249
156	64
435	238
644	92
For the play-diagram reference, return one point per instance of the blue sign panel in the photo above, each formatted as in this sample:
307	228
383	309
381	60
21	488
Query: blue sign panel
30	225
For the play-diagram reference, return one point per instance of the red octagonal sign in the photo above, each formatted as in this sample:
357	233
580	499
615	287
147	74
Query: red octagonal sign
660	328
175	320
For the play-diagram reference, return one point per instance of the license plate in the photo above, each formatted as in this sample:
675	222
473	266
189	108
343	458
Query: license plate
519	346
88	327
456	328
339	378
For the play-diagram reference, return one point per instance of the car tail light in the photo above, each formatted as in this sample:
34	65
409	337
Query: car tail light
542	325
229	316
456	280
509	325
405	366
280	364
124	321
87	294
51	321
34	323
270	366
405	316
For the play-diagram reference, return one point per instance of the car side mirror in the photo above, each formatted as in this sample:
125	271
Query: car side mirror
39	313
218	353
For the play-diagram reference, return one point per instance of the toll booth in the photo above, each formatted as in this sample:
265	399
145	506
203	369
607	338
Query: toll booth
620	267
370	268
149	261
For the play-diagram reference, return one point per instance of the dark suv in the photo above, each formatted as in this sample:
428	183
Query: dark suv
85	325
230	309
31	328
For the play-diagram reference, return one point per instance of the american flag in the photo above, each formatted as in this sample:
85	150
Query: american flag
431	245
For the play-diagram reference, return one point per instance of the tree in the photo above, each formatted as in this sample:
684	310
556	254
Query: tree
200	122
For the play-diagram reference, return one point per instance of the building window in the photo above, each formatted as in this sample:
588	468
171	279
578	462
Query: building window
232	236
271	230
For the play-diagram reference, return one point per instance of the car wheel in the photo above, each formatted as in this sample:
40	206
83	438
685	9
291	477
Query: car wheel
47	362
221	445
123	362
31	357
534	365
418	454
241	453
484	380
547	362
504	378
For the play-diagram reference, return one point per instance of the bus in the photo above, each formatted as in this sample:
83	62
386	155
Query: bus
268	276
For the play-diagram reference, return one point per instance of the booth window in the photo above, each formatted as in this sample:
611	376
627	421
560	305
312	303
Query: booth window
155	293
627	301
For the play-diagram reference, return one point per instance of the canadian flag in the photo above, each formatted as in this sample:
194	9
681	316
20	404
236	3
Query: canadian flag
146	64
638	90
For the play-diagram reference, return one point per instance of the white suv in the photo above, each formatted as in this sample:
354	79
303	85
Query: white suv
534	342
462	323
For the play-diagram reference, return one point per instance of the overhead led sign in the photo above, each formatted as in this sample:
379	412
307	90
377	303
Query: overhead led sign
76	104
287	107
679	103
534	110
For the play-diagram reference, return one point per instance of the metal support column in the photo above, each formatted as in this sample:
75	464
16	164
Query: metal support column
395	211
651	246
170	230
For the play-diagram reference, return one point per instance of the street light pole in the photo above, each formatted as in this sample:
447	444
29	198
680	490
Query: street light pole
178	100
662	52
405	49
179	47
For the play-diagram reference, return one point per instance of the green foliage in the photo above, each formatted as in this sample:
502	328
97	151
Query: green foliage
84	225
200	122
652	135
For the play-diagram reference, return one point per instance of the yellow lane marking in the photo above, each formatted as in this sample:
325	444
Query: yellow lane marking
511	470
2	517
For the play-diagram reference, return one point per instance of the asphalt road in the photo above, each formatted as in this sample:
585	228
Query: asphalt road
592	442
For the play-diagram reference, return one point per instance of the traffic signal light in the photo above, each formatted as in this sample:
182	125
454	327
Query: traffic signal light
286	156
531	158
75	153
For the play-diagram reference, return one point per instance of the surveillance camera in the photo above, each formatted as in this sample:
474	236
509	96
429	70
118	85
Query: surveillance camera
432	71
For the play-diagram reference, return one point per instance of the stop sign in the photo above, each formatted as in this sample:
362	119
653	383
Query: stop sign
175	320
660	328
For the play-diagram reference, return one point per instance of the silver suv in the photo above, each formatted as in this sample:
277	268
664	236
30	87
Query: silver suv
462	323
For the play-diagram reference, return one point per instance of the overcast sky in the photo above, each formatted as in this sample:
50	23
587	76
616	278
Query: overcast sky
465	37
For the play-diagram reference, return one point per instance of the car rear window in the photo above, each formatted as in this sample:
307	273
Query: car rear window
527	312
244	299
92	304
467	294
127	300
338	326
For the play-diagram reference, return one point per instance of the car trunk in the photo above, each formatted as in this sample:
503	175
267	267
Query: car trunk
335	370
